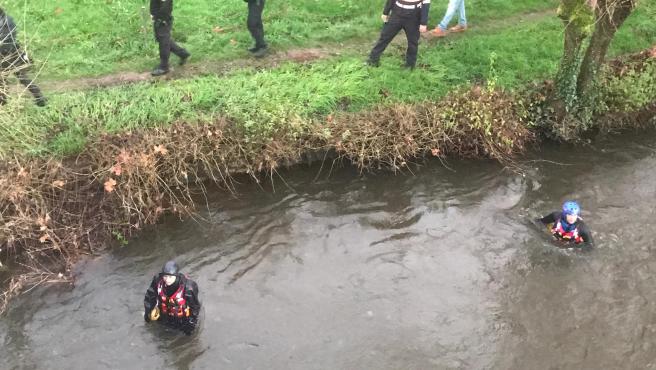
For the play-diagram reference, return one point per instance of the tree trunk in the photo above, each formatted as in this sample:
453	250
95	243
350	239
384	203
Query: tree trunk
566	79
573	15
610	14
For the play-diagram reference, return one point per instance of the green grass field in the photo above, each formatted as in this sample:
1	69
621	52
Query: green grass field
95	37
506	50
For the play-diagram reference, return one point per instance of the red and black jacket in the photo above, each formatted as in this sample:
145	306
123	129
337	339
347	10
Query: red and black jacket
178	301
576	233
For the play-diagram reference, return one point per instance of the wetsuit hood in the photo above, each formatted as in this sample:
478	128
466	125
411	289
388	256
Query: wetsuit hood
170	268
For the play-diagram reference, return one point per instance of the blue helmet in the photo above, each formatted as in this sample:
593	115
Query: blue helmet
571	208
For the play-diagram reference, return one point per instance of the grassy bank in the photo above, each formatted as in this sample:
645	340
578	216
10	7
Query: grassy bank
90	37
294	94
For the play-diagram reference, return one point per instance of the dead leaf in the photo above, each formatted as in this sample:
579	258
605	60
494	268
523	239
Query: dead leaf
217	29
43	238
233	42
109	185
145	160
58	183
123	157
160	149
58	10
43	222
22	172
116	169
435	152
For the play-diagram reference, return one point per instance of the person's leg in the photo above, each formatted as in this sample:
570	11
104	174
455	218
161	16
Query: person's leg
390	30
23	78
411	28
463	17
3	91
163	37
462	20
178	50
254	23
5	67
450	12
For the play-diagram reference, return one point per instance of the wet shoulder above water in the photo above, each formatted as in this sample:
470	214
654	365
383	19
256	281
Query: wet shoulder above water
438	269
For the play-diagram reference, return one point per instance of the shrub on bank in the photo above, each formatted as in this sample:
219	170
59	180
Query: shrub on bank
626	98
53	211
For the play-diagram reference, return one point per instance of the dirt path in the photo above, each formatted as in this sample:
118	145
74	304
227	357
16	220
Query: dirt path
301	55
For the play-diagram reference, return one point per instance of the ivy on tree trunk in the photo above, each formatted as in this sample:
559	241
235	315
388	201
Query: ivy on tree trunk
609	15
578	21
590	26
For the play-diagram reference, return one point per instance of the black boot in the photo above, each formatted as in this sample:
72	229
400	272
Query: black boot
183	58
372	63
260	52
159	71
41	101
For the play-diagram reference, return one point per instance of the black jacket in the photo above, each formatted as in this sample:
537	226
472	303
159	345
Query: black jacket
8	35
583	230
190	293
162	10
425	8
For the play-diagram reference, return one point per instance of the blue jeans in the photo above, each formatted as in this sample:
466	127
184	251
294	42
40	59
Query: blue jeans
454	5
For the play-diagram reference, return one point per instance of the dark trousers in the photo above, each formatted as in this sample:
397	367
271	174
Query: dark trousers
254	22
401	19
18	64
166	43
182	324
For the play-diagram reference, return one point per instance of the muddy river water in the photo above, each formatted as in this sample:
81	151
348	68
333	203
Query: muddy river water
438	269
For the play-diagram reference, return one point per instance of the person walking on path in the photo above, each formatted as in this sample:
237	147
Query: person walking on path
411	16
162	13
256	28
13	60
453	7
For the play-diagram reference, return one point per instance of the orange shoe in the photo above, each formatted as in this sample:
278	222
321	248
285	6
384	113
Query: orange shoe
458	28
438	32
